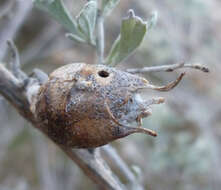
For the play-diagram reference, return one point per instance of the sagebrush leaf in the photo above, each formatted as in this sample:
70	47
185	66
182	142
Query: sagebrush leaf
108	6
131	35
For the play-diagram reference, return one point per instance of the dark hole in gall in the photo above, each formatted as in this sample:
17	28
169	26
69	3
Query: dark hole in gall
103	74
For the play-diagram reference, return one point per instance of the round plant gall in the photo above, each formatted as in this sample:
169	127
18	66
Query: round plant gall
86	106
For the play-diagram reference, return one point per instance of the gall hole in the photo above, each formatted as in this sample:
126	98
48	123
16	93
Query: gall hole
103	74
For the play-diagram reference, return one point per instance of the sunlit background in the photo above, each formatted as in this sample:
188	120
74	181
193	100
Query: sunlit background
186	155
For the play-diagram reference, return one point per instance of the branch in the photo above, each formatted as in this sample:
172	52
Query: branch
122	166
95	168
168	68
20	94
11	88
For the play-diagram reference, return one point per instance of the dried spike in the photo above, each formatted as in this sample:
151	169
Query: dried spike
138	129
169	86
165	88
152	101
139	121
110	114
143	130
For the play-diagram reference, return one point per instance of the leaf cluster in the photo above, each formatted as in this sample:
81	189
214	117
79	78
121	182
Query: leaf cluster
82	28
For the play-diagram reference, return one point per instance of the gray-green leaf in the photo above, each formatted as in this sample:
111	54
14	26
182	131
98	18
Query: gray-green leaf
131	35
86	21
108	6
74	37
82	27
57	10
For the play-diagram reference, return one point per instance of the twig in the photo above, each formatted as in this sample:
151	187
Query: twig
100	37
124	169
15	64
95	167
169	68
10	88
9	31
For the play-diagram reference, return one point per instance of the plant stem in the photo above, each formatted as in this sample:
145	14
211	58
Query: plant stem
168	68
112	154
100	37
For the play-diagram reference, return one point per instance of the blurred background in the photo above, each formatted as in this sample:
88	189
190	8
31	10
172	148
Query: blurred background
186	155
